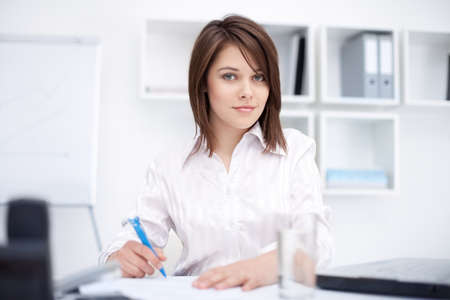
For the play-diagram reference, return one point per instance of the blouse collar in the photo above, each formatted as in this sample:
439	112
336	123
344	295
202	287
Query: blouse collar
255	130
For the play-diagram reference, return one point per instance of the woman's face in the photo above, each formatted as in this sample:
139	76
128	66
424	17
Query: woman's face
237	95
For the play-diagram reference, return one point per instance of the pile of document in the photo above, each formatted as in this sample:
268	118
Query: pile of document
347	178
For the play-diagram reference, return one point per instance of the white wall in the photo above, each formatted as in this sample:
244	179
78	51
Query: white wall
414	223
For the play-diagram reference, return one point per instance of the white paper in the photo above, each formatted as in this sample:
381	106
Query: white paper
174	287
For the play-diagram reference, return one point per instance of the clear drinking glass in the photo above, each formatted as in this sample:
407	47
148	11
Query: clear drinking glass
297	259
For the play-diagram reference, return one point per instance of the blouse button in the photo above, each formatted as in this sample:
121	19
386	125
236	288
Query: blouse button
228	191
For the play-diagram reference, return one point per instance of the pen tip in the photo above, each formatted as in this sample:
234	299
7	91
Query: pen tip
163	272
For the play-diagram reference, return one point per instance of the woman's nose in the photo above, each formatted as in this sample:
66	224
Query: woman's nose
246	92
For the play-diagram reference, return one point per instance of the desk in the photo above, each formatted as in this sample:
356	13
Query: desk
180	287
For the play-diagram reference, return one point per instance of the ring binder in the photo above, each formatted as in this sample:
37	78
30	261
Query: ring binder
360	66
386	69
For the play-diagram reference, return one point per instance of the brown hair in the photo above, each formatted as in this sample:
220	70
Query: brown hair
253	40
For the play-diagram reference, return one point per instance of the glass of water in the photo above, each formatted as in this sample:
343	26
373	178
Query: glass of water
297	259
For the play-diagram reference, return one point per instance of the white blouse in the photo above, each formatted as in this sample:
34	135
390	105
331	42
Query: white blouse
223	217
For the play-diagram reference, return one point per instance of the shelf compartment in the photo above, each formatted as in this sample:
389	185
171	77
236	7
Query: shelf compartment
332	40
163	78
426	57
286	39
359	141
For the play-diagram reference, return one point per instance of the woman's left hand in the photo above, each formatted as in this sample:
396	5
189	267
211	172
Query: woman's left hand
249	274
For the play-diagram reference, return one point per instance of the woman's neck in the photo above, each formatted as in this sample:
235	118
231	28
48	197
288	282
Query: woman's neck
226	139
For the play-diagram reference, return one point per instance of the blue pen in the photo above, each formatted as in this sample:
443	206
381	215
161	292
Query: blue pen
141	234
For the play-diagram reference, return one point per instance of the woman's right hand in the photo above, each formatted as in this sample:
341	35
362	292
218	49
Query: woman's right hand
136	259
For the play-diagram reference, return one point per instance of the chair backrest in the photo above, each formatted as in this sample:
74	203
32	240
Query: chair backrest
25	268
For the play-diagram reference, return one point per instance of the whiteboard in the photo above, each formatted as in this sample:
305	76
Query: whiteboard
49	95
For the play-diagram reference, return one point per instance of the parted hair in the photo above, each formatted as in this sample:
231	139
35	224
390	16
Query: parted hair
253	42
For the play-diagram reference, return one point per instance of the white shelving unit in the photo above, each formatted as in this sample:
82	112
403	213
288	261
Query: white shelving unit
332	39
166	79
298	119
425	67
359	141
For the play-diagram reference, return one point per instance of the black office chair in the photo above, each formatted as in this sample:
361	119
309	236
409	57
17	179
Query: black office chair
25	269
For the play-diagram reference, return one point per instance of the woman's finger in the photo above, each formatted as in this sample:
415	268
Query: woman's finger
160	253
126	274
208	278
213	279
143	251
205	275
250	285
131	270
230	281
140	263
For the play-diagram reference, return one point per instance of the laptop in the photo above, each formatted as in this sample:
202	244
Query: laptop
415	277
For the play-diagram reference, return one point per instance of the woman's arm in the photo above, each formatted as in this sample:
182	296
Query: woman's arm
152	210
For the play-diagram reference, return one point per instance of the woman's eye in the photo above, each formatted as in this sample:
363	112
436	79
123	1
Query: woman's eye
229	76
259	77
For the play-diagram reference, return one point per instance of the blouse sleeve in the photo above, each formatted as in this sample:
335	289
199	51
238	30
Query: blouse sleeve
151	207
306	198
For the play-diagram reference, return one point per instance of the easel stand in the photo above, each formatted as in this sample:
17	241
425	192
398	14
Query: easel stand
90	209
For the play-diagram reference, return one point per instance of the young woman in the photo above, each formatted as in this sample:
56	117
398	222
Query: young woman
241	180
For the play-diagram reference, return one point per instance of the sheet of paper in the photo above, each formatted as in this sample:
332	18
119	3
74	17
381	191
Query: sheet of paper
174	287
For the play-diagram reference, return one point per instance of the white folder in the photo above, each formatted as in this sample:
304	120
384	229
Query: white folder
386	87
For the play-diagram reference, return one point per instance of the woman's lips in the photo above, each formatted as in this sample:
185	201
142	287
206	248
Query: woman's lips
244	108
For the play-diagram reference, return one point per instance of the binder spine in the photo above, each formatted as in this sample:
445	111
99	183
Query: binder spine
448	79
371	59
299	76
386	70
294	49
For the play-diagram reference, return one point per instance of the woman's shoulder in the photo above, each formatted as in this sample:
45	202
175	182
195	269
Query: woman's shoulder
171	158
298	143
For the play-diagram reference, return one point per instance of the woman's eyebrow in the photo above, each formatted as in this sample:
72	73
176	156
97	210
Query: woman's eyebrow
228	68
234	69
